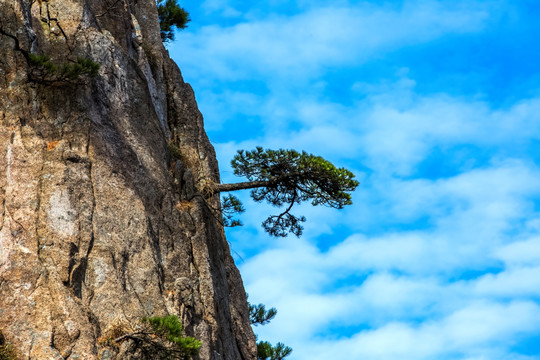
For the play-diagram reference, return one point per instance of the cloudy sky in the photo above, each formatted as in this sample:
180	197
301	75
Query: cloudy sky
435	106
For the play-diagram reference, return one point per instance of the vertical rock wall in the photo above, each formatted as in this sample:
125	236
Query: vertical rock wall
99	224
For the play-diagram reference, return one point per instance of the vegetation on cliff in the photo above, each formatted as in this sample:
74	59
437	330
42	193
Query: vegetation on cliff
266	351
6	350
46	71
172	342
160	336
285	178
171	15
258	315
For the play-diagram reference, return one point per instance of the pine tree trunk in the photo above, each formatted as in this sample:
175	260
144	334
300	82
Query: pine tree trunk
241	186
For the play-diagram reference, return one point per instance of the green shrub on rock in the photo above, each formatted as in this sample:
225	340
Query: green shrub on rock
44	70
170	329
6	350
158	337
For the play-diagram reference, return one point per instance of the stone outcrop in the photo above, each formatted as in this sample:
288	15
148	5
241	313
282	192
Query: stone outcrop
104	213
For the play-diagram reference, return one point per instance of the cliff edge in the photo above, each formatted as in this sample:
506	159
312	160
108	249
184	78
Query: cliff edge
104	217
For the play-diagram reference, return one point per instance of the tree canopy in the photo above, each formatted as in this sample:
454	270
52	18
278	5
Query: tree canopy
171	15
287	177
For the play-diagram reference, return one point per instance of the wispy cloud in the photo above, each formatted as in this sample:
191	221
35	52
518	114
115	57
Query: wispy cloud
301	45
392	137
460	288
479	331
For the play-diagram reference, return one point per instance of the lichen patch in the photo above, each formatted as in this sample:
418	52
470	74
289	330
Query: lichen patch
61	214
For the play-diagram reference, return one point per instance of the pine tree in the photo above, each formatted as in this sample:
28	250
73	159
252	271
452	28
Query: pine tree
158	337
171	15
287	177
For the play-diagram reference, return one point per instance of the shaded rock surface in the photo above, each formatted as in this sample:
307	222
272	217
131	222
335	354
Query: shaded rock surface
99	223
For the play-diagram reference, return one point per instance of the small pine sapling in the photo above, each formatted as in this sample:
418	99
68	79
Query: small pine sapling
168	328
265	351
159	336
171	15
44	70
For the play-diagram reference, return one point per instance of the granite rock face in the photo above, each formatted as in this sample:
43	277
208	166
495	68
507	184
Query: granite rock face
104	217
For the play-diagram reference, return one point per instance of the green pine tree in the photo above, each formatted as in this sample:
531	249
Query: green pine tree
44	70
171	15
168	328
287	177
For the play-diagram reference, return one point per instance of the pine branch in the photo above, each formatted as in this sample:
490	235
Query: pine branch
241	186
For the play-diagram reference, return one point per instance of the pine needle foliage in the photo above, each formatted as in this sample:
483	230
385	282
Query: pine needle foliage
258	315
231	205
284	178
7	352
265	351
44	70
42	61
170	329
171	15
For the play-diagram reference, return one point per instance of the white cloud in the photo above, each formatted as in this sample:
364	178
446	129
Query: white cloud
223	7
514	283
397	139
480	330
404	286
520	253
384	134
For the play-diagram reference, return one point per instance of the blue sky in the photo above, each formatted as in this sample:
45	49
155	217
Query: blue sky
435	106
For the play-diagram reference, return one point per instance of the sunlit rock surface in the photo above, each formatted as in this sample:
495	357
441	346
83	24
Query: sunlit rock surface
99	224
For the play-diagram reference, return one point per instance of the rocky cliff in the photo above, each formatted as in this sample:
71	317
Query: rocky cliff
104	217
